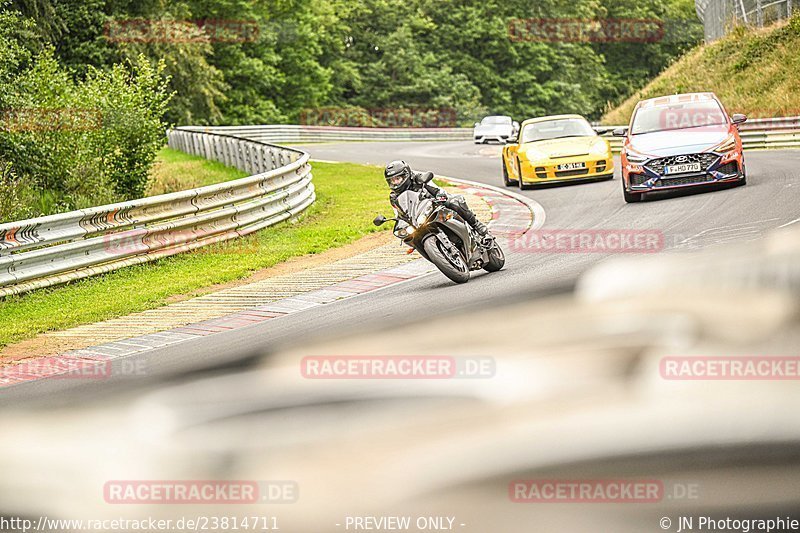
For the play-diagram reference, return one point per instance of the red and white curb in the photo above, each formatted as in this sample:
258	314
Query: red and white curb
512	215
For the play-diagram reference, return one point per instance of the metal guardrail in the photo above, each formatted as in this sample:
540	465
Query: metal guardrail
756	133
55	249
292	134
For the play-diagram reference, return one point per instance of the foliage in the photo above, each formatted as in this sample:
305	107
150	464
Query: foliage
83	143
68	141
13	194
140	65
764	64
373	54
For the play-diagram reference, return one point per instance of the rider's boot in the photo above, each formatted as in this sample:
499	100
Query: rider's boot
480	228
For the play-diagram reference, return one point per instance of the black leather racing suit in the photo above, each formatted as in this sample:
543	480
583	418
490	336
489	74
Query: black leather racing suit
456	202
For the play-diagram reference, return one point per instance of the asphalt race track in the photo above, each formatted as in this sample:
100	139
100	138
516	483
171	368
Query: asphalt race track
768	201
689	221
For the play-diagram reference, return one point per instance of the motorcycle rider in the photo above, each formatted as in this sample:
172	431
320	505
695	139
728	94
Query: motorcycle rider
400	178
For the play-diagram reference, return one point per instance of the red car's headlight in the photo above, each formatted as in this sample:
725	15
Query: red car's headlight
635	157
726	146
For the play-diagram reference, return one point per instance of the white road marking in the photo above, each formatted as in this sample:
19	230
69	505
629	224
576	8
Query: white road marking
789	223
727	232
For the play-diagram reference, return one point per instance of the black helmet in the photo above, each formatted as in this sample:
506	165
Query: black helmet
397	174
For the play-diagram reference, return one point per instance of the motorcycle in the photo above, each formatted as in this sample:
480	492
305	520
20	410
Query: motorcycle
442	237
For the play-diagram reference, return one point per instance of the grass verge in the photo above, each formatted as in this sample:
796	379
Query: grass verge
178	171
348	197
754	72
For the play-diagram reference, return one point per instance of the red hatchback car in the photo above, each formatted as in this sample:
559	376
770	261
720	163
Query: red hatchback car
685	140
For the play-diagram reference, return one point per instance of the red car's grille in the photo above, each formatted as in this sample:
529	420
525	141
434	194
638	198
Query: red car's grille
728	168
687	180
705	159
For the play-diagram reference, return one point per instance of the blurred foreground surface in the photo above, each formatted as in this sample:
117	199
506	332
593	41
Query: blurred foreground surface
566	391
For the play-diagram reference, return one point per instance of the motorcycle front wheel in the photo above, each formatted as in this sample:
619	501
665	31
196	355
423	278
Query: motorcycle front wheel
454	268
496	259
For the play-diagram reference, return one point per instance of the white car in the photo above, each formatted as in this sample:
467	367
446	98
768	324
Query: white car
499	128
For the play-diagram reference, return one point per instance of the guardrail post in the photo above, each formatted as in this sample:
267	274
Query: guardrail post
209	144
206	148
215	149
228	154
262	163
251	167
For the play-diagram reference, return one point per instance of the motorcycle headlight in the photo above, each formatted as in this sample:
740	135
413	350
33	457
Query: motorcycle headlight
404	231
725	146
424	214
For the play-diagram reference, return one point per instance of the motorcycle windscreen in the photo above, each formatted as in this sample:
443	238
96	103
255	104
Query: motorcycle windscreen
408	202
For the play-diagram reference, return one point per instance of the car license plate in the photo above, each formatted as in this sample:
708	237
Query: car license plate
682	169
571	166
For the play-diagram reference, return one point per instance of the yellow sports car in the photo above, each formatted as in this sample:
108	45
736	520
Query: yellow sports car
557	149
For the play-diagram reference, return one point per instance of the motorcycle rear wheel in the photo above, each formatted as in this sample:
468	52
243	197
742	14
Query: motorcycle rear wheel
458	273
